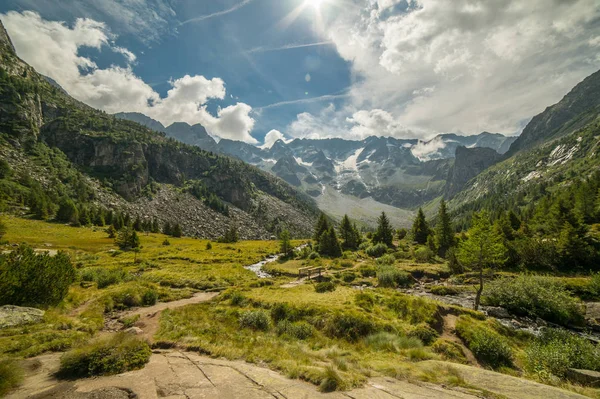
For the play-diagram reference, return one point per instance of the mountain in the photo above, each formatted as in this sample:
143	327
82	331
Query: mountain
577	109
55	149
558	147
142	120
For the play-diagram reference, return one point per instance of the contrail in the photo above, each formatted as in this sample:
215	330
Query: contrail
304	100
217	14
286	47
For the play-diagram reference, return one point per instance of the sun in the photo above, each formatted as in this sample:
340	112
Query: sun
314	3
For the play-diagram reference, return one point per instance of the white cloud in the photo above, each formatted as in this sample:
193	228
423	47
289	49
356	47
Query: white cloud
53	49
464	65
272	137
424	150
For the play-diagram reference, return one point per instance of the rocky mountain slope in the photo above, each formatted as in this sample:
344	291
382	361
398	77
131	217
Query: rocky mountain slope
52	141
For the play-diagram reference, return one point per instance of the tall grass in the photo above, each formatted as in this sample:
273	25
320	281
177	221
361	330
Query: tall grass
11	376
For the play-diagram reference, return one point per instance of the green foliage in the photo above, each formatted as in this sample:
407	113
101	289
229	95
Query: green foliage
199	190
367	271
11	376
444	233
423	255
387	259
67	211
299	330
401	233
324	286
331	381
420	229
176	231
450	350
365	300
388	342
5	169
349	326
556	351
349	234
487	345
3	230
127	239
208	246
444	290
104	277
111	231
129	295
384	233
166	242
29	279
256	320
237	298
329	244
285	245
110	355
377	250
231	235
392	277
484	247
321	227
536	296
424	333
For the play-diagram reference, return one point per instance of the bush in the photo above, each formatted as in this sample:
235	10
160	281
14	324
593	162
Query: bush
387	259
104	277
388	342
449	350
348	277
364	246
166	242
375	251
536	296
11	376
300	330
331	380
556	351
29	279
367	271
487	345
314	255
124	297
112	355
424	255
424	333
256	320
237	298
349	326
391	277
325	286
365	300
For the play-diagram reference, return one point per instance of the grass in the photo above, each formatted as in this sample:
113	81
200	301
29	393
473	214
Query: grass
11	376
111	355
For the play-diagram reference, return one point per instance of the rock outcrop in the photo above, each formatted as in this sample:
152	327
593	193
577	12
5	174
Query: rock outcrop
14	316
468	163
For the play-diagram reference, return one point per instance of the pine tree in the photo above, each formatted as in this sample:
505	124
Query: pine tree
176	231
384	233
108	217
574	252
99	218
111	231
420	229
321	227
137	224
118	221
167	230
285	245
127	239
444	234
484	248
329	244
155	226
67	211
349	234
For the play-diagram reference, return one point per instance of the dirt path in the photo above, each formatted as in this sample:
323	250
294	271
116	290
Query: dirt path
449	333
150	316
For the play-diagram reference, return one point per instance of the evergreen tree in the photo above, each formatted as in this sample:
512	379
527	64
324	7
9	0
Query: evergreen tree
231	235
99	218
329	244
176	231
285	245
401	233
127	239
108	217
67	211
444	234
155	226
111	231
167	230
118	222
420	229
574	252
514	220
349	234
321	227
137	224
483	249
384	233
127	220
84	216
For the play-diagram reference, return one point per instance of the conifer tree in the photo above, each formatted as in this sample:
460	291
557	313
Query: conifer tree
176	231
155	226
349	234
127	239
67	211
137	224
420	229
329	244
285	245
321	227
118	222
167	230
384	233
444	234
99	218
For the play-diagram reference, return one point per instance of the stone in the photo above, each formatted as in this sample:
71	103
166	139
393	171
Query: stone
13	316
497	312
584	377
134	331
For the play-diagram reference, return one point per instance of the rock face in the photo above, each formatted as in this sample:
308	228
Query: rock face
469	163
14	316
584	377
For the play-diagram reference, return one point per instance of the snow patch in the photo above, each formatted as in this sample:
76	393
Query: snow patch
349	163
301	162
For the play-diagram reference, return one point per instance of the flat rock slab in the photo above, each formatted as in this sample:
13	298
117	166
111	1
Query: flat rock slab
508	386
584	377
14	316
592	311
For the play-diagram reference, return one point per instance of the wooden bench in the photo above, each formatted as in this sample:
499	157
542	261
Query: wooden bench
308	271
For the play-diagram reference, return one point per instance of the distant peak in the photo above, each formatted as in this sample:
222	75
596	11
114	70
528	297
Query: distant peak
5	39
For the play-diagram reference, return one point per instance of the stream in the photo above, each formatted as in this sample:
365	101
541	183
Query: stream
257	267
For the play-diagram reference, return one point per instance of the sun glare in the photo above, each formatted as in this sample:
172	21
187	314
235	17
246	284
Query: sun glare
315	3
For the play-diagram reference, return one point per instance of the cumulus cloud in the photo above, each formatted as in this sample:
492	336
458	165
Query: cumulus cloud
272	137
53	49
425	150
466	65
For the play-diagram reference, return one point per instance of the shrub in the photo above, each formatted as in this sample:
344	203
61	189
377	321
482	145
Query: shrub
299	330
104	277
129	296
346	263
391	277
130	321
424	333
256	320
349	326
449	350
166	242
387	259
283	311
594	285
375	251
413	309
325	286
149	297
556	351
367	271
364	246
443	290
424	255
365	300
208	246
348	277
331	380
11	376
487	345
535	296
314	255
237	298
112	355
388	342
27	278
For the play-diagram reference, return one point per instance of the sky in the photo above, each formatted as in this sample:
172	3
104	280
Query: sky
262	70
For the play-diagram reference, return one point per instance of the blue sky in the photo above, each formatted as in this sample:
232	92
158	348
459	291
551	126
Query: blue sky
307	68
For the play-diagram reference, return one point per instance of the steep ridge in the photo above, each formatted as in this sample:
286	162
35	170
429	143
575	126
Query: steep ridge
107	158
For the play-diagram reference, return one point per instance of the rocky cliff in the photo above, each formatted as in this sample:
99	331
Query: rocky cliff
468	163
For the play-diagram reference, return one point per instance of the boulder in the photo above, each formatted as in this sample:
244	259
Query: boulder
14	316
497	312
584	377
134	331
